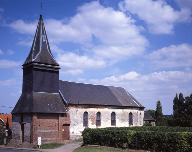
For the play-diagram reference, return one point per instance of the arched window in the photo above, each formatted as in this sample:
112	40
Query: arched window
130	119
85	119
113	119
98	119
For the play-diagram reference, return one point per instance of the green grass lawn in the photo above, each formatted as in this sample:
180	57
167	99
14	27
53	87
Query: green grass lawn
103	149
51	145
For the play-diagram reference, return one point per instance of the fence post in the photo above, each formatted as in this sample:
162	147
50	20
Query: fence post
5	137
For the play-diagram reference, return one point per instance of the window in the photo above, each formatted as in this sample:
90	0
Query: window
98	119
113	119
130	119
85	119
140	119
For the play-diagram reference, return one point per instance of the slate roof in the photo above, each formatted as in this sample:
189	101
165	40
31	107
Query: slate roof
40	102
40	50
88	94
148	117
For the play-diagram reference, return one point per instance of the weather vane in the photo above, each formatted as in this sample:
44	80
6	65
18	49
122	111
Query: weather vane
41	7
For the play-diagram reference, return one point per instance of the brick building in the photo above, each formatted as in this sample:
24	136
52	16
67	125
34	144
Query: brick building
6	119
59	110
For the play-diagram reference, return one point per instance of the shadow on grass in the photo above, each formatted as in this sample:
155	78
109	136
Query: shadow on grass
103	149
51	145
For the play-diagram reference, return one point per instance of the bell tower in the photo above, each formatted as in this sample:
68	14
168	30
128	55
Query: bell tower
41	101
40	70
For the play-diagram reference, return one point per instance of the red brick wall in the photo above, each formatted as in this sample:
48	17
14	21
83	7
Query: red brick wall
4	118
49	127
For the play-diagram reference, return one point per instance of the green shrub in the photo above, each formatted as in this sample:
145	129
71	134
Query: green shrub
146	138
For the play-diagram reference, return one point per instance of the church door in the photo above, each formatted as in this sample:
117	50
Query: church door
66	132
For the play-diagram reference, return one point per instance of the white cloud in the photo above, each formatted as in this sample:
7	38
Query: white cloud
75	64
185	4
117	52
158	15
24	27
8	82
25	42
6	52
10	52
1	10
101	31
172	56
121	78
6	64
1	52
148	88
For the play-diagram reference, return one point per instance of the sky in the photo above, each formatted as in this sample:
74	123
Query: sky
144	46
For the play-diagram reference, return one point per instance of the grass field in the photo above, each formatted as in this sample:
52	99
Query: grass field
103	149
51	145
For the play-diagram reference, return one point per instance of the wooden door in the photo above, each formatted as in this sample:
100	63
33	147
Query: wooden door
66	132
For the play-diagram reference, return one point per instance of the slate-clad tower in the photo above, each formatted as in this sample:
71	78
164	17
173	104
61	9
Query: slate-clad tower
40	105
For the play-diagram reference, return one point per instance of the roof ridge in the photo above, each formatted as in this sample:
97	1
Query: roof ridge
91	84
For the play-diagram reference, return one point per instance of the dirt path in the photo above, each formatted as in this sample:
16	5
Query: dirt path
66	148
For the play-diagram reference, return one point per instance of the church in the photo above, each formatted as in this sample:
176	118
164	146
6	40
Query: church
58	110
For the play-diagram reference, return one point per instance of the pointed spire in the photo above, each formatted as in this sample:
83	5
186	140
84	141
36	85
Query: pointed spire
40	50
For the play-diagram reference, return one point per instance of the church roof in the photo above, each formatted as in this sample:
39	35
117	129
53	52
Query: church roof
88	94
40	50
40	102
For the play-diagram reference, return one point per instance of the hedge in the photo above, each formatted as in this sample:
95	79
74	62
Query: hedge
142	138
157	128
2	133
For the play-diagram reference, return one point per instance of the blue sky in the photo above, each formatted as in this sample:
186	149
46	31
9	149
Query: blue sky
144	46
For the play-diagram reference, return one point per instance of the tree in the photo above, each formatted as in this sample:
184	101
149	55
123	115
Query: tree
151	112
159	113
188	110
175	106
179	110
176	110
182	110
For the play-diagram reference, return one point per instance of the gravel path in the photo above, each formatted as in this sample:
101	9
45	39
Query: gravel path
66	148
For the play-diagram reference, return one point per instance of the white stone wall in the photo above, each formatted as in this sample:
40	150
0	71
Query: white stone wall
122	118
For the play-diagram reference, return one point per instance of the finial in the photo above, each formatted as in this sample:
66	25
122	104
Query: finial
41	17
41	7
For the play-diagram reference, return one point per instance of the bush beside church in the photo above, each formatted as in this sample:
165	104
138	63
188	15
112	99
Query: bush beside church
165	139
